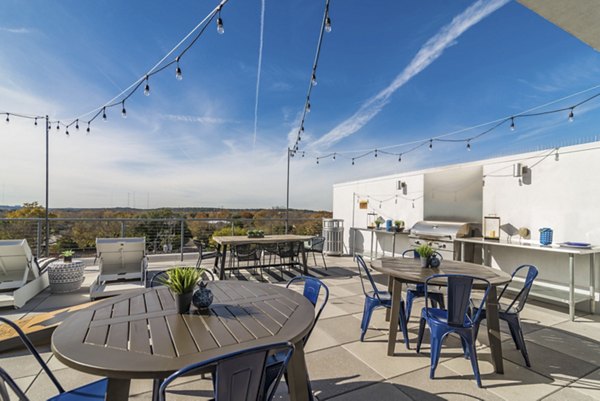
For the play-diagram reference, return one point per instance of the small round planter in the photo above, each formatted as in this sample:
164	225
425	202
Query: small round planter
424	262
183	302
65	276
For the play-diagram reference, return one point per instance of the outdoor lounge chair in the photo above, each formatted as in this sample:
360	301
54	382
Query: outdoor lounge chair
20	275
122	265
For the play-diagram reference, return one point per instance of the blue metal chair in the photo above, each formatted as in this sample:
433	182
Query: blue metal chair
238	376
91	392
312	289
510	312
419	290
459	318
375	298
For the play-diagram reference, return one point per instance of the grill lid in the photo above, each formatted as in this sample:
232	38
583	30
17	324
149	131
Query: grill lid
440	229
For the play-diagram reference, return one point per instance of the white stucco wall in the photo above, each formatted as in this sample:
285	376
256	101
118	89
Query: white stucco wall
563	194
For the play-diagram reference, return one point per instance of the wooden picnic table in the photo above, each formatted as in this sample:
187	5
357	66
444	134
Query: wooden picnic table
139	335
234	240
409	270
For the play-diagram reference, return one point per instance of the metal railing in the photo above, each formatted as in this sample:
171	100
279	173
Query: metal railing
168	235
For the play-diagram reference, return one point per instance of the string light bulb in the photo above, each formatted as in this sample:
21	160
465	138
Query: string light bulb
77	124
147	87
571	115
317	160
123	111
104	114
353	161
313	79
308	106
88	128
35	122
178	74
220	28
67	132
375	152
512	124
334	156
7	118
327	24
58	125
431	144
399	157
469	146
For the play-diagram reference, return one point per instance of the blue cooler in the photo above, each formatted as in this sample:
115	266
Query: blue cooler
388	225
546	236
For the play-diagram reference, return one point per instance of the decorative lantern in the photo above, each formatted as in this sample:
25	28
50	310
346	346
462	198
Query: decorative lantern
491	227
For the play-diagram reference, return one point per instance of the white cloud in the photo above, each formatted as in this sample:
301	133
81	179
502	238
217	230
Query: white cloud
428	53
207	120
15	30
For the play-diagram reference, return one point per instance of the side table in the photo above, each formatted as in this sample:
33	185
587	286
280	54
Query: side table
65	276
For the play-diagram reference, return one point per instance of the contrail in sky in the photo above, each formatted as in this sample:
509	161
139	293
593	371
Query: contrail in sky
260	52
428	53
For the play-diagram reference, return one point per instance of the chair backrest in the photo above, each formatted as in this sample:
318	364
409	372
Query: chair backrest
414	254
518	303
121	257
6	379
17	265
33	352
363	269
459	298
312	289
317	244
239	376
244	250
289	249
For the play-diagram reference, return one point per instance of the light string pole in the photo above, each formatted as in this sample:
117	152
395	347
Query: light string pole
291	152
47	222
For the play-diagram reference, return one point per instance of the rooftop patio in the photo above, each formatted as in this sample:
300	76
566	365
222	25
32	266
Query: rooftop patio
564	355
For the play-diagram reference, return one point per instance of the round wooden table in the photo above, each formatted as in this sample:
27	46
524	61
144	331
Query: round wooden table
139	335
409	270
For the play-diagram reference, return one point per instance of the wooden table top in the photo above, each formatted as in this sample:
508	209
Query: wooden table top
267	239
409	270
140	334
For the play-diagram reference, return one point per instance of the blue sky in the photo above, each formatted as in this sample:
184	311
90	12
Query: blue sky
390	72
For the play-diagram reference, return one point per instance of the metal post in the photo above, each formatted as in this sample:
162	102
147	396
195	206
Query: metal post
287	200
182	239
122	229
47	164
38	239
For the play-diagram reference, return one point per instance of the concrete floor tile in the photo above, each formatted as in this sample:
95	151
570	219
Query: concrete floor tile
587	327
20	363
349	305
373	353
379	391
589	385
517	382
344	329
570	395
349	373
445	386
549	362
42	388
568	343
320	339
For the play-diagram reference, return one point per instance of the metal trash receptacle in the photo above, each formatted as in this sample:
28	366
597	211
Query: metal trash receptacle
333	231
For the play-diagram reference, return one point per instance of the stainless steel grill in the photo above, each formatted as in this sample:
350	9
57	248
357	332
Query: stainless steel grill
439	235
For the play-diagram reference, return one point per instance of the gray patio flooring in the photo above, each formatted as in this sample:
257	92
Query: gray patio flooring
565	355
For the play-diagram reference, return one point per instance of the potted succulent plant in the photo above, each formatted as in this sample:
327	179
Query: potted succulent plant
425	252
67	255
182	281
399	225
256	233
379	221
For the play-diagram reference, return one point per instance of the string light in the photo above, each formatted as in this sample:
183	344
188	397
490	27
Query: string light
220	28
178	74
334	156
327	24
469	146
7	118
67	132
308	106
512	124
77	124
375	152
35	122
147	87
571	115
58	126
353	161
123	111
430	144
104	118
317	160
88	128
399	157
313	79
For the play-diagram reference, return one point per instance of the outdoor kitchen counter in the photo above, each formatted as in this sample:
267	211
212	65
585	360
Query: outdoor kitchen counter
487	246
374	233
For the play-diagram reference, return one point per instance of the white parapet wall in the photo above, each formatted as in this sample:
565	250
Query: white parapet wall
558	189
